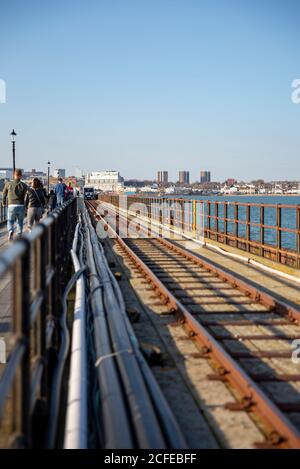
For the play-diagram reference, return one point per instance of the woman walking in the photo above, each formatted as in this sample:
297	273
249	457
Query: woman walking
35	202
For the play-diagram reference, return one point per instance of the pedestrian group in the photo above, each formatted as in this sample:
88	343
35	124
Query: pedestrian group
20	198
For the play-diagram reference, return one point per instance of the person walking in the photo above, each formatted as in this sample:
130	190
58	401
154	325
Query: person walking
51	201
60	192
13	195
35	202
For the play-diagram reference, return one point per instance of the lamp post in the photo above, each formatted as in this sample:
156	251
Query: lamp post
13	140
48	179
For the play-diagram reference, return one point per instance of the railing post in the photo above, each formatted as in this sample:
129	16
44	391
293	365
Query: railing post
262	230
278	233
298	237
194	225
209	219
44	311
225	222
216	221
248	237
236	224
21	329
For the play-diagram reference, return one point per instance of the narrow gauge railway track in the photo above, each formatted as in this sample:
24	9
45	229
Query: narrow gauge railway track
207	300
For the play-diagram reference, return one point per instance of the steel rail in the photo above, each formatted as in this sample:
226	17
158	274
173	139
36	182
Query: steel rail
253	396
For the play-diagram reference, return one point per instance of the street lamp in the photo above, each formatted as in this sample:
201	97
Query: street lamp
13	140
48	180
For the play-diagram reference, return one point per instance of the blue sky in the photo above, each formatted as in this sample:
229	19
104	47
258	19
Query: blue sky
141	85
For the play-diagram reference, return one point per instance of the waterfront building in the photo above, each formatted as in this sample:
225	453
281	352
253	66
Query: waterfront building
106	181
230	181
6	173
150	188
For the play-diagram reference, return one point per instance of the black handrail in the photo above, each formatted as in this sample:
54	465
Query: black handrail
3	213
38	263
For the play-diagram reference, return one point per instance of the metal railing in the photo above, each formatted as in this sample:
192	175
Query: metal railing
267	230
3	213
38	264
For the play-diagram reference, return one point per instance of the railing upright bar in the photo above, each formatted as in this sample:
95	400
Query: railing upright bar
21	330
209	219
298	236
248	221
278	233
236	224
225	223
262	230
216	229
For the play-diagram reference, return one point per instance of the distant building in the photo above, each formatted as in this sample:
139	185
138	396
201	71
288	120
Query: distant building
34	173
149	188
106	181
162	177
230	182
6	173
184	177
205	176
59	173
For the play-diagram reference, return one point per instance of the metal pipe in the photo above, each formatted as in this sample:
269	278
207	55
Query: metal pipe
116	428
58	372
76	431
147	428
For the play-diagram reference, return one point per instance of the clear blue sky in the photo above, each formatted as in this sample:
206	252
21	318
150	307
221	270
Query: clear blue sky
141	85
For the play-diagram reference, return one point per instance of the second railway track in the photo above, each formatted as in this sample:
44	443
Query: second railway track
234	325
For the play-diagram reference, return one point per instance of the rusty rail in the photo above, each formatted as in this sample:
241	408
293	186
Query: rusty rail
271	231
38	264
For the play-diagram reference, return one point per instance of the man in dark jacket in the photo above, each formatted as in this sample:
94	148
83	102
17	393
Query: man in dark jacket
14	194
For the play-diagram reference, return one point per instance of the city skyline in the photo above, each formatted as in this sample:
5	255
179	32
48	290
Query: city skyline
198	84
